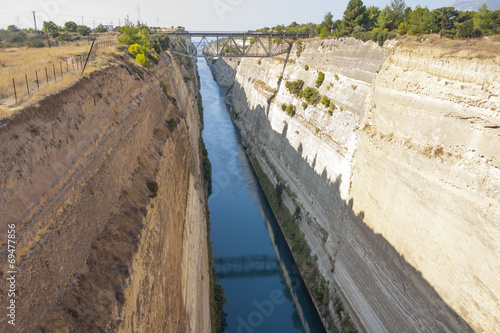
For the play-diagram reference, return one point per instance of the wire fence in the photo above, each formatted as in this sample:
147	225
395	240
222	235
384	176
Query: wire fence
55	72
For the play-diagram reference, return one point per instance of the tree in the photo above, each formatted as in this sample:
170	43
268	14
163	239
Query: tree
397	12
466	30
324	33
130	34
420	21
328	22
13	28
49	27
83	30
443	18
372	12
101	28
482	19
384	19
70	26
355	14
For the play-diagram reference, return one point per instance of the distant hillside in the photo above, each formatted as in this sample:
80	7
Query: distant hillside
473	5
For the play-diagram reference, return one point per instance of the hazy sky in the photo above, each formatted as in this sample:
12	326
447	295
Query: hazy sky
237	15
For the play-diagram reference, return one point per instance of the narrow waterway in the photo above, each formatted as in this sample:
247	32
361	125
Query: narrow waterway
264	290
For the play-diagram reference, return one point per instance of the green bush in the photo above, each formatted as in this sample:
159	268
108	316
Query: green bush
294	87
135	49
377	36
306	67
280	187
65	37
305	105
283	106
160	42
35	42
320	79
325	101
311	95
153	188
83	30
290	110
141	58
101	28
164	86
171	124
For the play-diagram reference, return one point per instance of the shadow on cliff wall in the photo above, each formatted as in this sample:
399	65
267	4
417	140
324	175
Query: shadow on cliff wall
399	296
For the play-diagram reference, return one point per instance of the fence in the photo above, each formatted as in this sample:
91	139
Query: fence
53	72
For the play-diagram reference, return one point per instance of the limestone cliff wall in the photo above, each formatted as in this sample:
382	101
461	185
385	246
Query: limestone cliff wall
224	70
103	183
399	186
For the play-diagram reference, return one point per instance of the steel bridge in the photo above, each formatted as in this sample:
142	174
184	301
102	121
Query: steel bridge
246	266
233	44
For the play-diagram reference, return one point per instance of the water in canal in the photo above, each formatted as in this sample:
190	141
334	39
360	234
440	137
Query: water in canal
263	288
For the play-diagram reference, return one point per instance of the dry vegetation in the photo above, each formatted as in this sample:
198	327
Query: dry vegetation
16	62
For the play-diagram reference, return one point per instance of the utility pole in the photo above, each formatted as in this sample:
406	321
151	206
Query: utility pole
82	19
34	19
119	23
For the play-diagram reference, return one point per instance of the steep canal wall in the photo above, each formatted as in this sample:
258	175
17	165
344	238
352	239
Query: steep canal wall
103	182
397	183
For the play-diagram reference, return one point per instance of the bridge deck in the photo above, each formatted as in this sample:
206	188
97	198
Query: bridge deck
236	34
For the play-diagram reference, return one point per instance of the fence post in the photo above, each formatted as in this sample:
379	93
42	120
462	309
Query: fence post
60	65
14	84
54	68
27	86
37	83
90	51
46	76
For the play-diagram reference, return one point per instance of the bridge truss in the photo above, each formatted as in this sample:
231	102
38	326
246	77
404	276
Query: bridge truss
233	44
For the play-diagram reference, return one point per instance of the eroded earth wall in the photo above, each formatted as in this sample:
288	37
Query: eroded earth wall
103	183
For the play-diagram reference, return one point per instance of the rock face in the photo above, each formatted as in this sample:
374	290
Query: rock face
103	182
223	70
400	185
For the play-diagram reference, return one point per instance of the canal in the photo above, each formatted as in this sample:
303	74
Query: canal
264	290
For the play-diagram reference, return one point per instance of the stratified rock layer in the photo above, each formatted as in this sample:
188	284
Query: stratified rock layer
400	185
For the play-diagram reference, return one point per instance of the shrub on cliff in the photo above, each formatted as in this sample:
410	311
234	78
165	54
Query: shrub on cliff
311	95
135	49
141	58
140	44
325	101
290	110
294	87
153	188
320	79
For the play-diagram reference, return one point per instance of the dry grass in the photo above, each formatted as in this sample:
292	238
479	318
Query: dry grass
16	62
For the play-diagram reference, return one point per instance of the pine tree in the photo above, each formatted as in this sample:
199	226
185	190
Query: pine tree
482	19
355	14
397	12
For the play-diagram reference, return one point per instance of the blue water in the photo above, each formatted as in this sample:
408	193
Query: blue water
262	295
